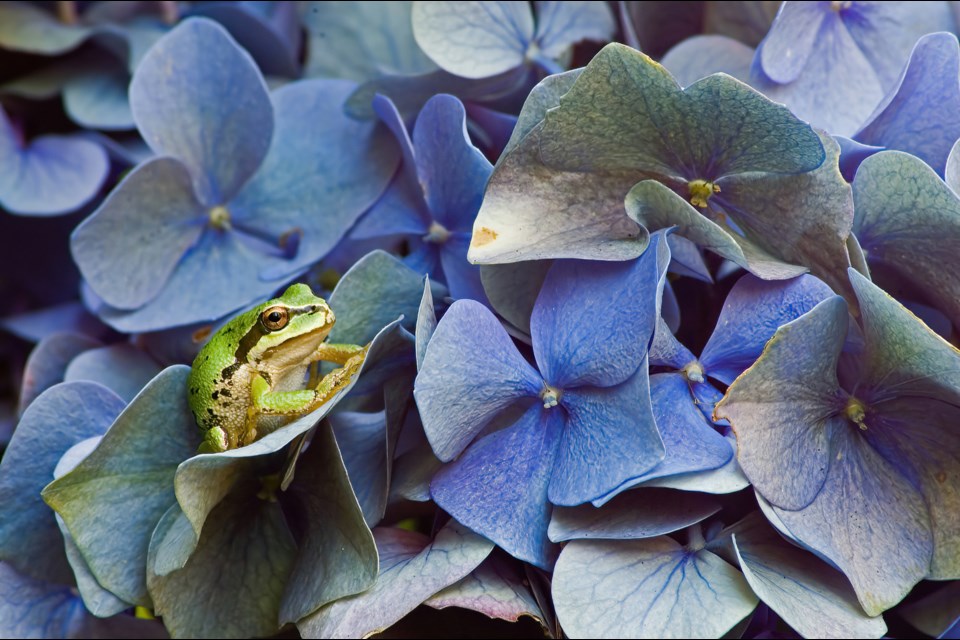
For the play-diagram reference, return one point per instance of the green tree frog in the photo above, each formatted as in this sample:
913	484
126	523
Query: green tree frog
251	377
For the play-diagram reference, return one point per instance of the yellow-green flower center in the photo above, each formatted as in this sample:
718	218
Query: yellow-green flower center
700	192
550	396
840	5
437	233
856	412
219	217
693	372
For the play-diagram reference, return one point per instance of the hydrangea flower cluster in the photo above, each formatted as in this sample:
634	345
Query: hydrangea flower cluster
627	319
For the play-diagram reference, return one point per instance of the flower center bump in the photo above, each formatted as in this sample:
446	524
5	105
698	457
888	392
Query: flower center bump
693	372
856	412
219	217
700	192
550	396
838	6
437	233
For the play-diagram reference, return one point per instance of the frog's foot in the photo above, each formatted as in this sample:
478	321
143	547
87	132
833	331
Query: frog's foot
339	353
214	441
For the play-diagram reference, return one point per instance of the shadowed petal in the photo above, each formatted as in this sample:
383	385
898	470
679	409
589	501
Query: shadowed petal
560	25
753	311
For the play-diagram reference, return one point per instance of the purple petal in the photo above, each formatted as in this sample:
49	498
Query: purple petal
498	487
452	172
753	311
471	372
610	439
579	338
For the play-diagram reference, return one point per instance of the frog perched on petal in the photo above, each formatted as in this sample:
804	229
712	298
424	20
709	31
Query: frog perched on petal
251	377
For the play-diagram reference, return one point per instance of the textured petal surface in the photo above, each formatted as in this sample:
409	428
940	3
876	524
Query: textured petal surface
907	222
922	115
470	373
134	464
62	416
784	408
645	513
412	568
474	39
199	97
811	596
496	589
699	56
148	223
651	588
498	487
610	439
575	344
751	314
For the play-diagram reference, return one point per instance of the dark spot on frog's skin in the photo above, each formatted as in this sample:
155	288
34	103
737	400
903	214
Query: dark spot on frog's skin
266	377
210	411
215	394
225	393
227	373
194	390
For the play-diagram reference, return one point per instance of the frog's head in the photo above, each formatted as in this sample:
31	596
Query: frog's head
288	329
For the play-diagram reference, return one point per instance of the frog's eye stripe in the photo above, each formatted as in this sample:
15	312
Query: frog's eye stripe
274	318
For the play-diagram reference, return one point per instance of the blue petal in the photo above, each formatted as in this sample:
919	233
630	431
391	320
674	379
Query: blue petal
791	39
362	438
272	40
426	322
727	479
51	174
323	171
474	39
701	55
610	439
412	568
686	259
452	172
122	368
852	154
784	408
652	588
47	364
498	487
199	97
576	343
922	115
632	514
153	215
666	350
470	373
134	464
399	211
753	311
98	99
386	110
59	418
37	609
463	278
512	289
812	597
691	443
560	25
868	520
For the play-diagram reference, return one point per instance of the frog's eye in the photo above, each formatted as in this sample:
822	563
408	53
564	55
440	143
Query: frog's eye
274	318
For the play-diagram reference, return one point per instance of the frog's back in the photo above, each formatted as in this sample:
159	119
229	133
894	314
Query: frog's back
218	388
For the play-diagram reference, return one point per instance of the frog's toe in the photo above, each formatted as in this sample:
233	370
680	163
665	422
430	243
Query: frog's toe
214	441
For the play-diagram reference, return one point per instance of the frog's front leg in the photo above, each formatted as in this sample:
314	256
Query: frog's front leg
336	353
